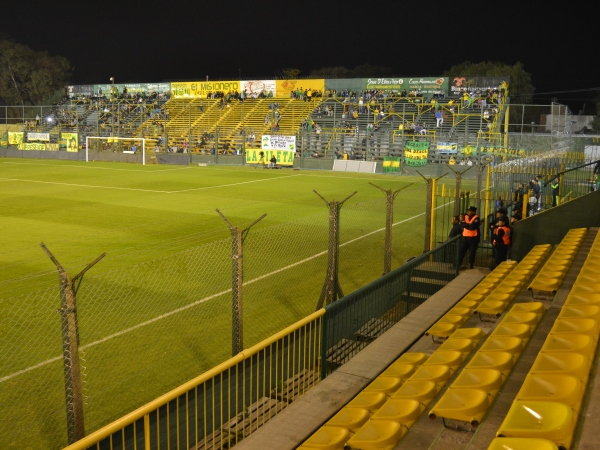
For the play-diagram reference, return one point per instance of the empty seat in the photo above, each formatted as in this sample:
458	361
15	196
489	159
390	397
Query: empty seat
519	330
462	345
368	400
328	438
450	358
350	418
470	304
399	370
441	329
402	410
522	444
468	405
534	307
579	343
460	311
414	358
489	380
492	307
377	434
539	419
580	311
576	325
555	387
421	390
574	364
508	344
385	384
501	361
474	333
528	318
438	373
585	288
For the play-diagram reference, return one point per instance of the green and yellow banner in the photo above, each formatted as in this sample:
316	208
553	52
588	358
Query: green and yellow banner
69	142
31	146
15	137
259	156
201	89
285	87
416	153
391	164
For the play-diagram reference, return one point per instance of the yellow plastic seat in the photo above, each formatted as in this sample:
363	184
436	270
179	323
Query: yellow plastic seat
534	307
470	304
452	318
474	333
498	296
501	361
580	311
489	380
576	325
522	444
401	410
328	438
528	318
350	418
535	419
512	345
414	358
511	281
484	291
579	343
460	311
556	387
462	345
519	330
574	364
441	329
547	281
438	373
583	299
585	288
492	307
421	390
377	434
468	405
399	370
450	358
385	384
475	297
371	401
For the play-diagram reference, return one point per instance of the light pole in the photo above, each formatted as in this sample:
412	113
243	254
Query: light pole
112	113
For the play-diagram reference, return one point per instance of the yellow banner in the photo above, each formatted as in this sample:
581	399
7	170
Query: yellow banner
69	141
258	156
285	87
31	146
201	89
15	137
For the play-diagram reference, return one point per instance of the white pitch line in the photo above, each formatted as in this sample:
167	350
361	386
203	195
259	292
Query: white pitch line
147	190
198	302
97	168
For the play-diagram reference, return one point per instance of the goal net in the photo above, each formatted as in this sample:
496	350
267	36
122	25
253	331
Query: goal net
128	145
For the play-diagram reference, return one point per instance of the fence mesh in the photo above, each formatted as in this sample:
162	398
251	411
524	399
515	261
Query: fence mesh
147	328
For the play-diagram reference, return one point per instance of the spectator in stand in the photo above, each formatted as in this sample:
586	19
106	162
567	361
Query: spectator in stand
471	236
456	228
500	242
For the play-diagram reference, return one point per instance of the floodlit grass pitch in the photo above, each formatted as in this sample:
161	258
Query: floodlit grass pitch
138	214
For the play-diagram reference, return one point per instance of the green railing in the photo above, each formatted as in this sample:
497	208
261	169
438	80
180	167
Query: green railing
355	320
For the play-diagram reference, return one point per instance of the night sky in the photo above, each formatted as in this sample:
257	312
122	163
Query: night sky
226	39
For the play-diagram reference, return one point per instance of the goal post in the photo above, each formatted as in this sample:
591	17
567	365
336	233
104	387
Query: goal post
120	144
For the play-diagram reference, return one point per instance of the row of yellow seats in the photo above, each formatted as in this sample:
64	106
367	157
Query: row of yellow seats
458	315
548	404
476	387
499	299
550	277
382	413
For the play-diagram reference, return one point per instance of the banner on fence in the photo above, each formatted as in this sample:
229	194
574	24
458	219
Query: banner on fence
447	147
416	153
38	137
15	137
391	164
258	156
278	142
31	146
69	142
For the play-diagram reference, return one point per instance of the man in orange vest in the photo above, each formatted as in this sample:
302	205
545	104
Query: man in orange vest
470	235
500	241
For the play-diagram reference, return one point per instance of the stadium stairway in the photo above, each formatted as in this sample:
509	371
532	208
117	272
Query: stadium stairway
291	428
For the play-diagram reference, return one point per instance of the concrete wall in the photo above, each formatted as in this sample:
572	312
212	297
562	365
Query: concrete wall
550	226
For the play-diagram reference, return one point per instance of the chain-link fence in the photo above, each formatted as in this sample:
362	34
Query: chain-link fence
145	329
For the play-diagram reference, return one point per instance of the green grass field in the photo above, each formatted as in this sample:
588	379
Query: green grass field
156	311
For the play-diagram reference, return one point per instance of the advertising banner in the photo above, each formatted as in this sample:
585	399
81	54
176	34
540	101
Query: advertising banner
258	86
427	86
416	153
285	87
391	164
38	137
132	88
462	84
447	147
69	142
201	89
259	156
15	137
32	146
